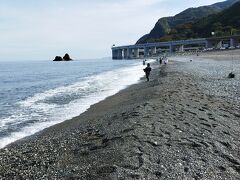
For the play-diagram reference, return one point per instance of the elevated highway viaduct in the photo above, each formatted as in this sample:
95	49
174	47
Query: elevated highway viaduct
154	49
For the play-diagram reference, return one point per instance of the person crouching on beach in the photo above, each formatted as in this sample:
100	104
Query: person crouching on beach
147	71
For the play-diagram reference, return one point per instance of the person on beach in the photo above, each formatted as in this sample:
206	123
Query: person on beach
165	60
147	71
144	62
160	61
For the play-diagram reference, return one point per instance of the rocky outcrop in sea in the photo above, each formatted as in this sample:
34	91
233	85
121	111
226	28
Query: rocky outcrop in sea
66	57
58	58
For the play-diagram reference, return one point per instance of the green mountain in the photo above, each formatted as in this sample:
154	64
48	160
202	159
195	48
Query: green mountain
166	27
225	23
222	24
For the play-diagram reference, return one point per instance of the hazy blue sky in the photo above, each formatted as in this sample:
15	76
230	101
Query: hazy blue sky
41	29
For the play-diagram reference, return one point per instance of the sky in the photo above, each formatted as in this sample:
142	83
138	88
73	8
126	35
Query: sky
43	29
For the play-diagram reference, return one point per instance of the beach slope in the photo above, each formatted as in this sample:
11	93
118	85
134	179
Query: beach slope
168	128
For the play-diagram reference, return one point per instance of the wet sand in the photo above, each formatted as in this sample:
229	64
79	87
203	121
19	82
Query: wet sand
181	125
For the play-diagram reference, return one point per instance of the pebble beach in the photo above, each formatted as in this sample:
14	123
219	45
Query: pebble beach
182	124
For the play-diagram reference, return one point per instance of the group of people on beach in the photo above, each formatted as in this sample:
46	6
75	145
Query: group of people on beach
163	60
148	69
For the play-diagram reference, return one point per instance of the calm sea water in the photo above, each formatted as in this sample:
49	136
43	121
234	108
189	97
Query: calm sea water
37	94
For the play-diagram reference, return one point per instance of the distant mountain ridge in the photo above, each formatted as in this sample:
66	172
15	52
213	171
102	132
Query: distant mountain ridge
166	25
224	23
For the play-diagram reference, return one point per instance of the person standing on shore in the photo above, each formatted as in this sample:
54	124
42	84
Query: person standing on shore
144	62
147	71
160	61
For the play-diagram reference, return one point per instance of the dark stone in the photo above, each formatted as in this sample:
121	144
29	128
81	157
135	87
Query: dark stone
104	141
186	169
158	174
58	58
222	168
66	57
231	75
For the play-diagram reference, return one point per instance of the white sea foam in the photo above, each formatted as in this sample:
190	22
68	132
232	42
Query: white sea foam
45	112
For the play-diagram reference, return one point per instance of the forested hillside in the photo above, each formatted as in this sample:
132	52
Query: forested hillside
221	18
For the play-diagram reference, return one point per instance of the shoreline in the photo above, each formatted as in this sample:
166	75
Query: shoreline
45	108
82	115
168	128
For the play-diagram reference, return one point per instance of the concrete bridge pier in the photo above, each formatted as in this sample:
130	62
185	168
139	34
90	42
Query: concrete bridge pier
181	48
120	54
209	44
136	53
233	42
130	53
146	52
115	54
154	50
171	48
126	54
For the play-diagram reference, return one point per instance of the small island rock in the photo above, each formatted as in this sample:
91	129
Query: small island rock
58	58
66	57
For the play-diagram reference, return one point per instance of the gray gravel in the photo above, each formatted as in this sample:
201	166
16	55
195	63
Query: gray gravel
168	128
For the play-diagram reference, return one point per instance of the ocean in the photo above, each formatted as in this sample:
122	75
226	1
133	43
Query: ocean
37	94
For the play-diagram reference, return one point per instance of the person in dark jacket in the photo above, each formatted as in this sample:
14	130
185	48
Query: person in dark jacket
147	71
160	61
